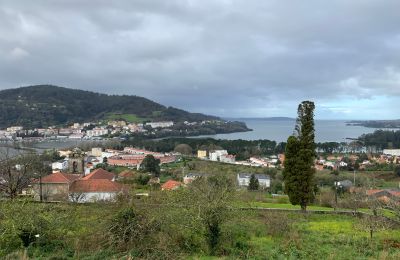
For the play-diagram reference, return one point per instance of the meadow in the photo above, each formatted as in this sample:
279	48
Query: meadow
70	231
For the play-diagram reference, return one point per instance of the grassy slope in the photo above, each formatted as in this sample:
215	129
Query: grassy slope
131	118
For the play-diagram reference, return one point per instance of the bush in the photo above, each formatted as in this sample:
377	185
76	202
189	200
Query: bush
278	223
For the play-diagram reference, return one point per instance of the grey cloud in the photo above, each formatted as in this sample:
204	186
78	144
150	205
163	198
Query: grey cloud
239	58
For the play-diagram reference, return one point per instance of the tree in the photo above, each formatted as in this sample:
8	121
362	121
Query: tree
209	206
397	170
16	172
151	164
253	185
184	149
300	153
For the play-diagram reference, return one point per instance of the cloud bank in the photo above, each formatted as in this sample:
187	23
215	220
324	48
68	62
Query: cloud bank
227	58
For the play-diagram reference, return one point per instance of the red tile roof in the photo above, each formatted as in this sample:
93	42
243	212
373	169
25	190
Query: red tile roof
96	185
171	185
371	192
126	174
59	177
99	174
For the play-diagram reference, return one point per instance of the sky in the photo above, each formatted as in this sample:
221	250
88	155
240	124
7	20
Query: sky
249	58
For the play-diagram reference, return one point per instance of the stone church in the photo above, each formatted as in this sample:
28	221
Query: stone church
76	162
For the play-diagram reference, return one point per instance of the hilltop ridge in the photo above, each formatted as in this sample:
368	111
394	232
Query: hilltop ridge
47	105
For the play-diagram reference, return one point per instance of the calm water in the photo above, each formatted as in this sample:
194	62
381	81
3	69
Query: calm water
279	130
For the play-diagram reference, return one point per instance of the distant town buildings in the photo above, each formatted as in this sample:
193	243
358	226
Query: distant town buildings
188	178
393	152
95	132
163	124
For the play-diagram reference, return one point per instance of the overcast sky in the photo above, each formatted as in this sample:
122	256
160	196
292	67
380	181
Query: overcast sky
228	58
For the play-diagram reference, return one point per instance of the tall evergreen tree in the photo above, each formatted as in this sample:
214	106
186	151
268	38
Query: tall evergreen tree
253	184
300	153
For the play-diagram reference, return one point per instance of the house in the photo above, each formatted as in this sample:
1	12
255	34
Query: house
100	174
345	184
94	190
215	155
96	132
243	180
393	152
188	178
227	158
59	165
96	151
160	124
342	164
202	154
385	196
171	185
53	187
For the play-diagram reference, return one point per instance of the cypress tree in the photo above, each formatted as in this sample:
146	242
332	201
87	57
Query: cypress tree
300	153
253	184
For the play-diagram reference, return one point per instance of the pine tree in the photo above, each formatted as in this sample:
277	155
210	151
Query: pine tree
300	153
253	184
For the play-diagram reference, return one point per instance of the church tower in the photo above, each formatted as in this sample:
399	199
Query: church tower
76	162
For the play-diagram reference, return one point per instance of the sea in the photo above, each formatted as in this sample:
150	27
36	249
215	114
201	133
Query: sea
280	129
272	129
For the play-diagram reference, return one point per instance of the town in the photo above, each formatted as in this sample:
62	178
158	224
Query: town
101	174
91	130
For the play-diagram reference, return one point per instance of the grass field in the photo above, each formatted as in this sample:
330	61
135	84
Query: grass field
71	231
130	118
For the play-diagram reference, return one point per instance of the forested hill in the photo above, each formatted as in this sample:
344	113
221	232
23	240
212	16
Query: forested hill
46	105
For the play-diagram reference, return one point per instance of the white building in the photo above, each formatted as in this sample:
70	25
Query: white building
393	152
215	155
227	158
60	165
96	132
243	180
76	136
96	151
160	124
13	129
342	164
95	190
188	178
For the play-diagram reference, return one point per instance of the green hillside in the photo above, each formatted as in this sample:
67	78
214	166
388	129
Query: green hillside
46	105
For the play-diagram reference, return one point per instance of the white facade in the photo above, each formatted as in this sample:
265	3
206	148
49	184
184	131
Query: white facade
107	154
160	124
393	152
243	179
76	136
215	155
59	166
92	196
226	158
14	129
96	132
96	151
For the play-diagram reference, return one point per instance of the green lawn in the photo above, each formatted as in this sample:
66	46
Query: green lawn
280	206
131	118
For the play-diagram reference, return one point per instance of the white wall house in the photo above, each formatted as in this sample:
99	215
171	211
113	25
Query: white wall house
227	158
160	124
393	152
96	132
188	178
243	180
93	190
60	165
215	155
